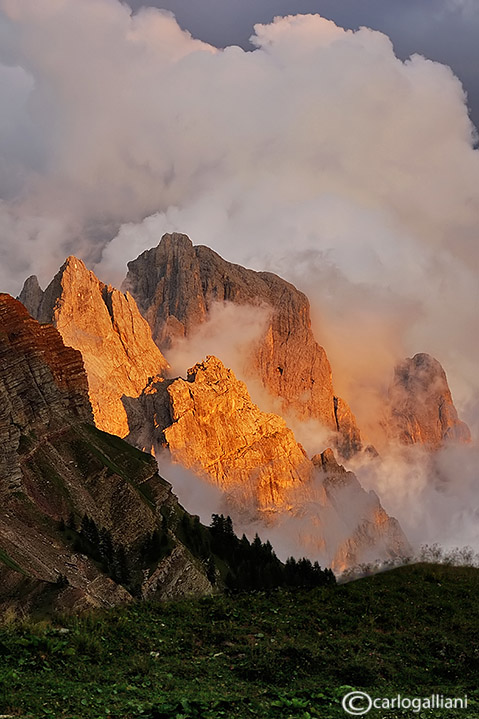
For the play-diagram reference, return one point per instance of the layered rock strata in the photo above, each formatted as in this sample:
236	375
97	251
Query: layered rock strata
62	480
41	380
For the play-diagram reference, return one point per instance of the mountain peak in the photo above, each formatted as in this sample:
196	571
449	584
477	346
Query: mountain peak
176	285
106	326
31	295
73	262
421	368
72	272
175	240
422	410
327	462
210	368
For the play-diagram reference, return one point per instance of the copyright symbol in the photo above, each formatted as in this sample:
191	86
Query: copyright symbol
357	703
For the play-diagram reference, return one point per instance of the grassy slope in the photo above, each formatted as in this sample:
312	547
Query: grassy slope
414	630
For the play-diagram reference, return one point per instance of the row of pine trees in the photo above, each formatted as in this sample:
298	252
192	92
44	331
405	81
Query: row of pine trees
239	564
249	566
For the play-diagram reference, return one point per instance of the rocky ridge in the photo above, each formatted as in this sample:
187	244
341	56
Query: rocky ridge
107	328
175	286
63	481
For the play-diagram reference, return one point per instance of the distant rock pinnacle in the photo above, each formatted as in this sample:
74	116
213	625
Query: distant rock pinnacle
421	406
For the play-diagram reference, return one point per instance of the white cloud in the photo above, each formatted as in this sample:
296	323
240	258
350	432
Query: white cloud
319	155
435	497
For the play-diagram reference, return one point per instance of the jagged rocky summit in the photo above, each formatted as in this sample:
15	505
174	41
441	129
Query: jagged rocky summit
175	286
79	507
107	328
208	423
421	409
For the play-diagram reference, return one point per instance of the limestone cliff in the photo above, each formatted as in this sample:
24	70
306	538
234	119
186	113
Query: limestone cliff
107	328
210	425
175	285
421	409
62	481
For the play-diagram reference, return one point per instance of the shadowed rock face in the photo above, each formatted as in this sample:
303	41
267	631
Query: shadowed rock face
107	328
175	285
421	406
56	466
31	296
210	425
41	381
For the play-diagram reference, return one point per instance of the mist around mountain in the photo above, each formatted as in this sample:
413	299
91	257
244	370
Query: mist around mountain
255	154
86	521
210	430
201	461
266	478
180	609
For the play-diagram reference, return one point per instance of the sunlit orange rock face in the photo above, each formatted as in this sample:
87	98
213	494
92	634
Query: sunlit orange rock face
208	422
421	406
210	425
175	285
109	331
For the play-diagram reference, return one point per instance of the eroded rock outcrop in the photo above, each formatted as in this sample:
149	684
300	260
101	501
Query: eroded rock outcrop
421	409
109	331
210	425
58	470
175	285
31	296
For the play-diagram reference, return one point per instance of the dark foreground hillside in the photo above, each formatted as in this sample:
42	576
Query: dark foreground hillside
413	630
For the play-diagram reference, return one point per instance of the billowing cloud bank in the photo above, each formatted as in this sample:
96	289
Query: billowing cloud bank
319	155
